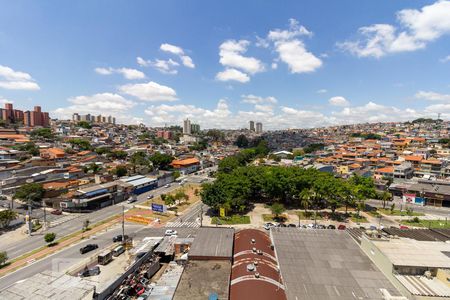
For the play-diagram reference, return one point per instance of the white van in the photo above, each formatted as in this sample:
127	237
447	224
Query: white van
118	250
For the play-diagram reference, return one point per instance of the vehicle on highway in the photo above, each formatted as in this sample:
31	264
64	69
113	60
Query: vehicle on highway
150	196
118	238
56	212
170	232
118	250
331	226
291	225
268	225
341	227
167	186
105	257
88	248
132	199
90	271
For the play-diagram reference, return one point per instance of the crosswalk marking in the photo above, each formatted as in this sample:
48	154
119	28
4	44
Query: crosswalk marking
62	220
183	224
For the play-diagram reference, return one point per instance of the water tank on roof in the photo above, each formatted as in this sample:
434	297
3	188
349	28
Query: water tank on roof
250	267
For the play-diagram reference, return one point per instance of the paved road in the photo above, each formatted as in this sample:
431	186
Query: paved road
71	256
438	211
190	218
15	249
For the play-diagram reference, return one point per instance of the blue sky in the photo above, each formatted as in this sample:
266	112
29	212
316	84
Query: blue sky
223	63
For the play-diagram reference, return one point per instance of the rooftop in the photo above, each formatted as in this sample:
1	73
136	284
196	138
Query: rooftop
212	243
331	263
409	252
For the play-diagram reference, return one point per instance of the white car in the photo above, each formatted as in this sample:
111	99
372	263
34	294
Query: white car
268	225
167	186
171	232
131	200
150	196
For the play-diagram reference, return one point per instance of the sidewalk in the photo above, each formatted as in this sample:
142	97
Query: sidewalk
45	251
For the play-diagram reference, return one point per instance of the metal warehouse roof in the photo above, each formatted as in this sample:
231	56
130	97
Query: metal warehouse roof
326	264
142	181
212	243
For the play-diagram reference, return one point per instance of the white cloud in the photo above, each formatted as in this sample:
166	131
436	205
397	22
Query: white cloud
292	50
232	74
445	59
338	101
101	103
321	91
150	91
295	30
125	72
252	99
16	80
231	56
264	108
186	60
295	55
416	29
164	66
4	101
432	96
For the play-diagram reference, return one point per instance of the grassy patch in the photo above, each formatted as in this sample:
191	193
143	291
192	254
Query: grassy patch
360	219
397	212
272	218
373	213
309	215
441	224
234	219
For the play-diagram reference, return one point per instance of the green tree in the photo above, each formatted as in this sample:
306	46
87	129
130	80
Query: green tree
121	171
49	237
80	144
42	134
29	147
277	209
176	174
385	196
84	124
161	161
169	200
6	216
30	191
117	154
241	141
3	258
305	200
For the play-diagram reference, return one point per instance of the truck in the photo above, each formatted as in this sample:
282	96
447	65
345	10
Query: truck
105	257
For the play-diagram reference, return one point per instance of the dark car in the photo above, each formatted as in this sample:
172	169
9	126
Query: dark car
87	248
118	238
56	212
90	272
291	225
331	226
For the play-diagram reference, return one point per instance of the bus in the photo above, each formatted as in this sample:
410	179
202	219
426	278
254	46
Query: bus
105	257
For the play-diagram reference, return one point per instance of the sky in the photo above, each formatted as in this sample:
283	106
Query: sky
287	64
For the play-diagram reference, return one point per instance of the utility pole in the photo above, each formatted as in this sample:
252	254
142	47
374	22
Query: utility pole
45	215
201	215
30	226
123	224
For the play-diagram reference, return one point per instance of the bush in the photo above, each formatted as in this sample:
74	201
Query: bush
415	220
49	237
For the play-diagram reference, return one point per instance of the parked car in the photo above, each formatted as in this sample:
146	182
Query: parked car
342	227
291	225
320	226
281	225
170	232
87	248
90	272
150	196
56	212
118	238
268	225
331	226
404	227
131	200
167	186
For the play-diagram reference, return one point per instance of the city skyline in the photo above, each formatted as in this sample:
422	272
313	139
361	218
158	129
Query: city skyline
290	70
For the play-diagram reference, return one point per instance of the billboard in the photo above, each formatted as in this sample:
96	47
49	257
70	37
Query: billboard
409	198
419	201
159	208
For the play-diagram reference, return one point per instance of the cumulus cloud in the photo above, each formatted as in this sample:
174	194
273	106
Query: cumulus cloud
164	66
291	50
178	51
338	101
252	99
232	75
321	91
150	91
231	55
125	72
16	80
445	59
101	103
432	96
415	29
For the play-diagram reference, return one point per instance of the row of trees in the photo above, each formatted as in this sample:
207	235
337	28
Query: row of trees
235	190
230	163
